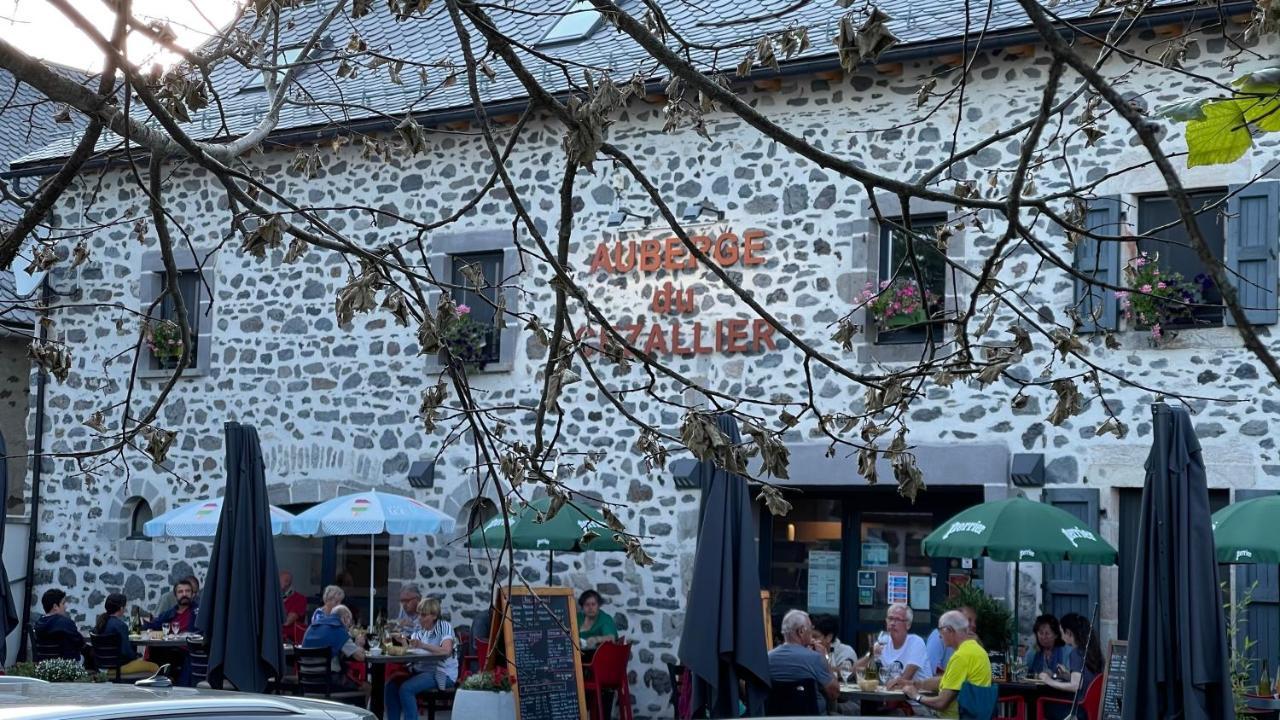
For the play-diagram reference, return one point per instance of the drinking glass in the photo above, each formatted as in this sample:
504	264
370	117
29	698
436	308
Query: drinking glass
885	675
846	670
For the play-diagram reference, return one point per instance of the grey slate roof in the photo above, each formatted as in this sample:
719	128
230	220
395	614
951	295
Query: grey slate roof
26	125
431	38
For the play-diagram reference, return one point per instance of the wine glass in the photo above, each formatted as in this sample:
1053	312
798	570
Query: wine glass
846	670
885	675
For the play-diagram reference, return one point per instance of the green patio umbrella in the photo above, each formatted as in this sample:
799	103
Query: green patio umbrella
1018	530
1245	532
563	533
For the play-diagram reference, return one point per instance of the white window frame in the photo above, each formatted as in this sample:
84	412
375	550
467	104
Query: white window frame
568	27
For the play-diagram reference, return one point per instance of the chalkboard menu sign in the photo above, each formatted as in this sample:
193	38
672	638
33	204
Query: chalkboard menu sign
540	626
999	666
1113	680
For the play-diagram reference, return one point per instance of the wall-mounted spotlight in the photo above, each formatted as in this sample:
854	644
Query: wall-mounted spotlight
692	211
620	216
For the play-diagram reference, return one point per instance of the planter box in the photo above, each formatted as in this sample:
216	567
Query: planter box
900	321
484	704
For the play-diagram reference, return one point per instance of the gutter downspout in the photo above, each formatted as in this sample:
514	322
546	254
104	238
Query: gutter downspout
37	476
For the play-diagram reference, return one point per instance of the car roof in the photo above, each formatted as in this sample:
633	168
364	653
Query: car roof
102	701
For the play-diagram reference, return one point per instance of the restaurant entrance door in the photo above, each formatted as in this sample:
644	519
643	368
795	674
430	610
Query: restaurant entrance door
850	552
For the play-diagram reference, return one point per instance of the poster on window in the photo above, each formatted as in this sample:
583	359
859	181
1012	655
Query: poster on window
875	553
824	581
920	592
897	587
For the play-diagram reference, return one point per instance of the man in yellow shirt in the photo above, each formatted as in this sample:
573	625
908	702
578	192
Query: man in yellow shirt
969	663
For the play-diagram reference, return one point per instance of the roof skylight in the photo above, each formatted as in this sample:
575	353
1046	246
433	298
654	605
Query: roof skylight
577	22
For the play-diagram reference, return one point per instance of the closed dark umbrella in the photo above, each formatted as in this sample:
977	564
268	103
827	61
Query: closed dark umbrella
723	640
8	616
1177	630
241	613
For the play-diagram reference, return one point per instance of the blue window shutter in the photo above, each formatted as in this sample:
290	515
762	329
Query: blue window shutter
1100	261
1253	234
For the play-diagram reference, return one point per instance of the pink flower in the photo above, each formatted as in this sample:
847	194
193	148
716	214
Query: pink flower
1140	261
1156	332
464	310
1161	285
1122	294
1146	288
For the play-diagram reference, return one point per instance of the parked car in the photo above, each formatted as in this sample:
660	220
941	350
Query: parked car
26	699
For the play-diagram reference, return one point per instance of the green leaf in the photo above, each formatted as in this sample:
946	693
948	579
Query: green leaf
1185	110
1222	137
1265	81
1263	114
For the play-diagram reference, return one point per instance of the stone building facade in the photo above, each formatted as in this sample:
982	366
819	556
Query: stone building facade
336	407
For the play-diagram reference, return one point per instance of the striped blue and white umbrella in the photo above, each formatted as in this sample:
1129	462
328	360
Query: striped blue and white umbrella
200	519
371	513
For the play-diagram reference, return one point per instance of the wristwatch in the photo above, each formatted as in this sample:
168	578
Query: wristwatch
917	697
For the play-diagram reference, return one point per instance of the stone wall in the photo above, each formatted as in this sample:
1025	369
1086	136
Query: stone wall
336	407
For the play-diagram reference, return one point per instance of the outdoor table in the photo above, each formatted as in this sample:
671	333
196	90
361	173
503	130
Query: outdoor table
850	691
1262	707
179	641
378	675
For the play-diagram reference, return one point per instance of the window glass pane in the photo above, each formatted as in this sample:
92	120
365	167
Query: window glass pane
893	543
896	271
283	59
481	304
190	287
802	571
1172	246
578	21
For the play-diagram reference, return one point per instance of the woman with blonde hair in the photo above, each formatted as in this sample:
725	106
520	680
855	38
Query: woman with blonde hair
437	671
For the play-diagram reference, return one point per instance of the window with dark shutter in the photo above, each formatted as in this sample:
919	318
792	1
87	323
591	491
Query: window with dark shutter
906	305
479	299
189	287
1166	242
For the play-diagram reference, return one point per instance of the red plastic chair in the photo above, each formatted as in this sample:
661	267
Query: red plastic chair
1015	702
1090	704
608	671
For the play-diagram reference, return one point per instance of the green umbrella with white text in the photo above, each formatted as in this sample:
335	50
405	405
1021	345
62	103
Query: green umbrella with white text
1019	530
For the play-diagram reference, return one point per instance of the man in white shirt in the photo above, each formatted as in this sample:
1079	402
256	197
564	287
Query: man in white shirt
900	652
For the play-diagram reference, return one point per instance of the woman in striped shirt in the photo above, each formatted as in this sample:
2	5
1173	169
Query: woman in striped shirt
437	670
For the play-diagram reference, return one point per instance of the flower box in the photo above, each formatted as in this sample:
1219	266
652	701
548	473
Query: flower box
484	704
901	320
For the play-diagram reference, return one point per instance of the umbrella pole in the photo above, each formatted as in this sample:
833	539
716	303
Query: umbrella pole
1017	606
371	567
551	570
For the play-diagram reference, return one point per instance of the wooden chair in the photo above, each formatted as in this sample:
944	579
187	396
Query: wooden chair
796	697
315	676
1090	703
434	700
106	656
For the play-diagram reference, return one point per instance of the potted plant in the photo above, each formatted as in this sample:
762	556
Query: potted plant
995	621
164	338
61	670
467	339
898	303
485	695
1155	299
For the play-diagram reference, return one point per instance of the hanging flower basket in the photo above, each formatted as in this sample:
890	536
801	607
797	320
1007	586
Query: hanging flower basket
901	320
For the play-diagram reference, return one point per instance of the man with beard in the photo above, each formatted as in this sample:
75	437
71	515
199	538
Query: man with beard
183	613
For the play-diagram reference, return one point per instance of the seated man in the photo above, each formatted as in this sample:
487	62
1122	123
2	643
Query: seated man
55	628
969	663
795	660
183	613
333	631
295	609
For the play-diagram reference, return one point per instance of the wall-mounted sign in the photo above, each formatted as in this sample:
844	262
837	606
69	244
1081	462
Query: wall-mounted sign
684	336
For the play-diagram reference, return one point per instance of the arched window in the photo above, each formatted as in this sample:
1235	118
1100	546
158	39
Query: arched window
139	515
482	511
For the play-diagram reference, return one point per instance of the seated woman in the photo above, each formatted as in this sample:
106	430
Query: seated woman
594	626
333	631
332	597
439	671
1083	663
1050	651
112	622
